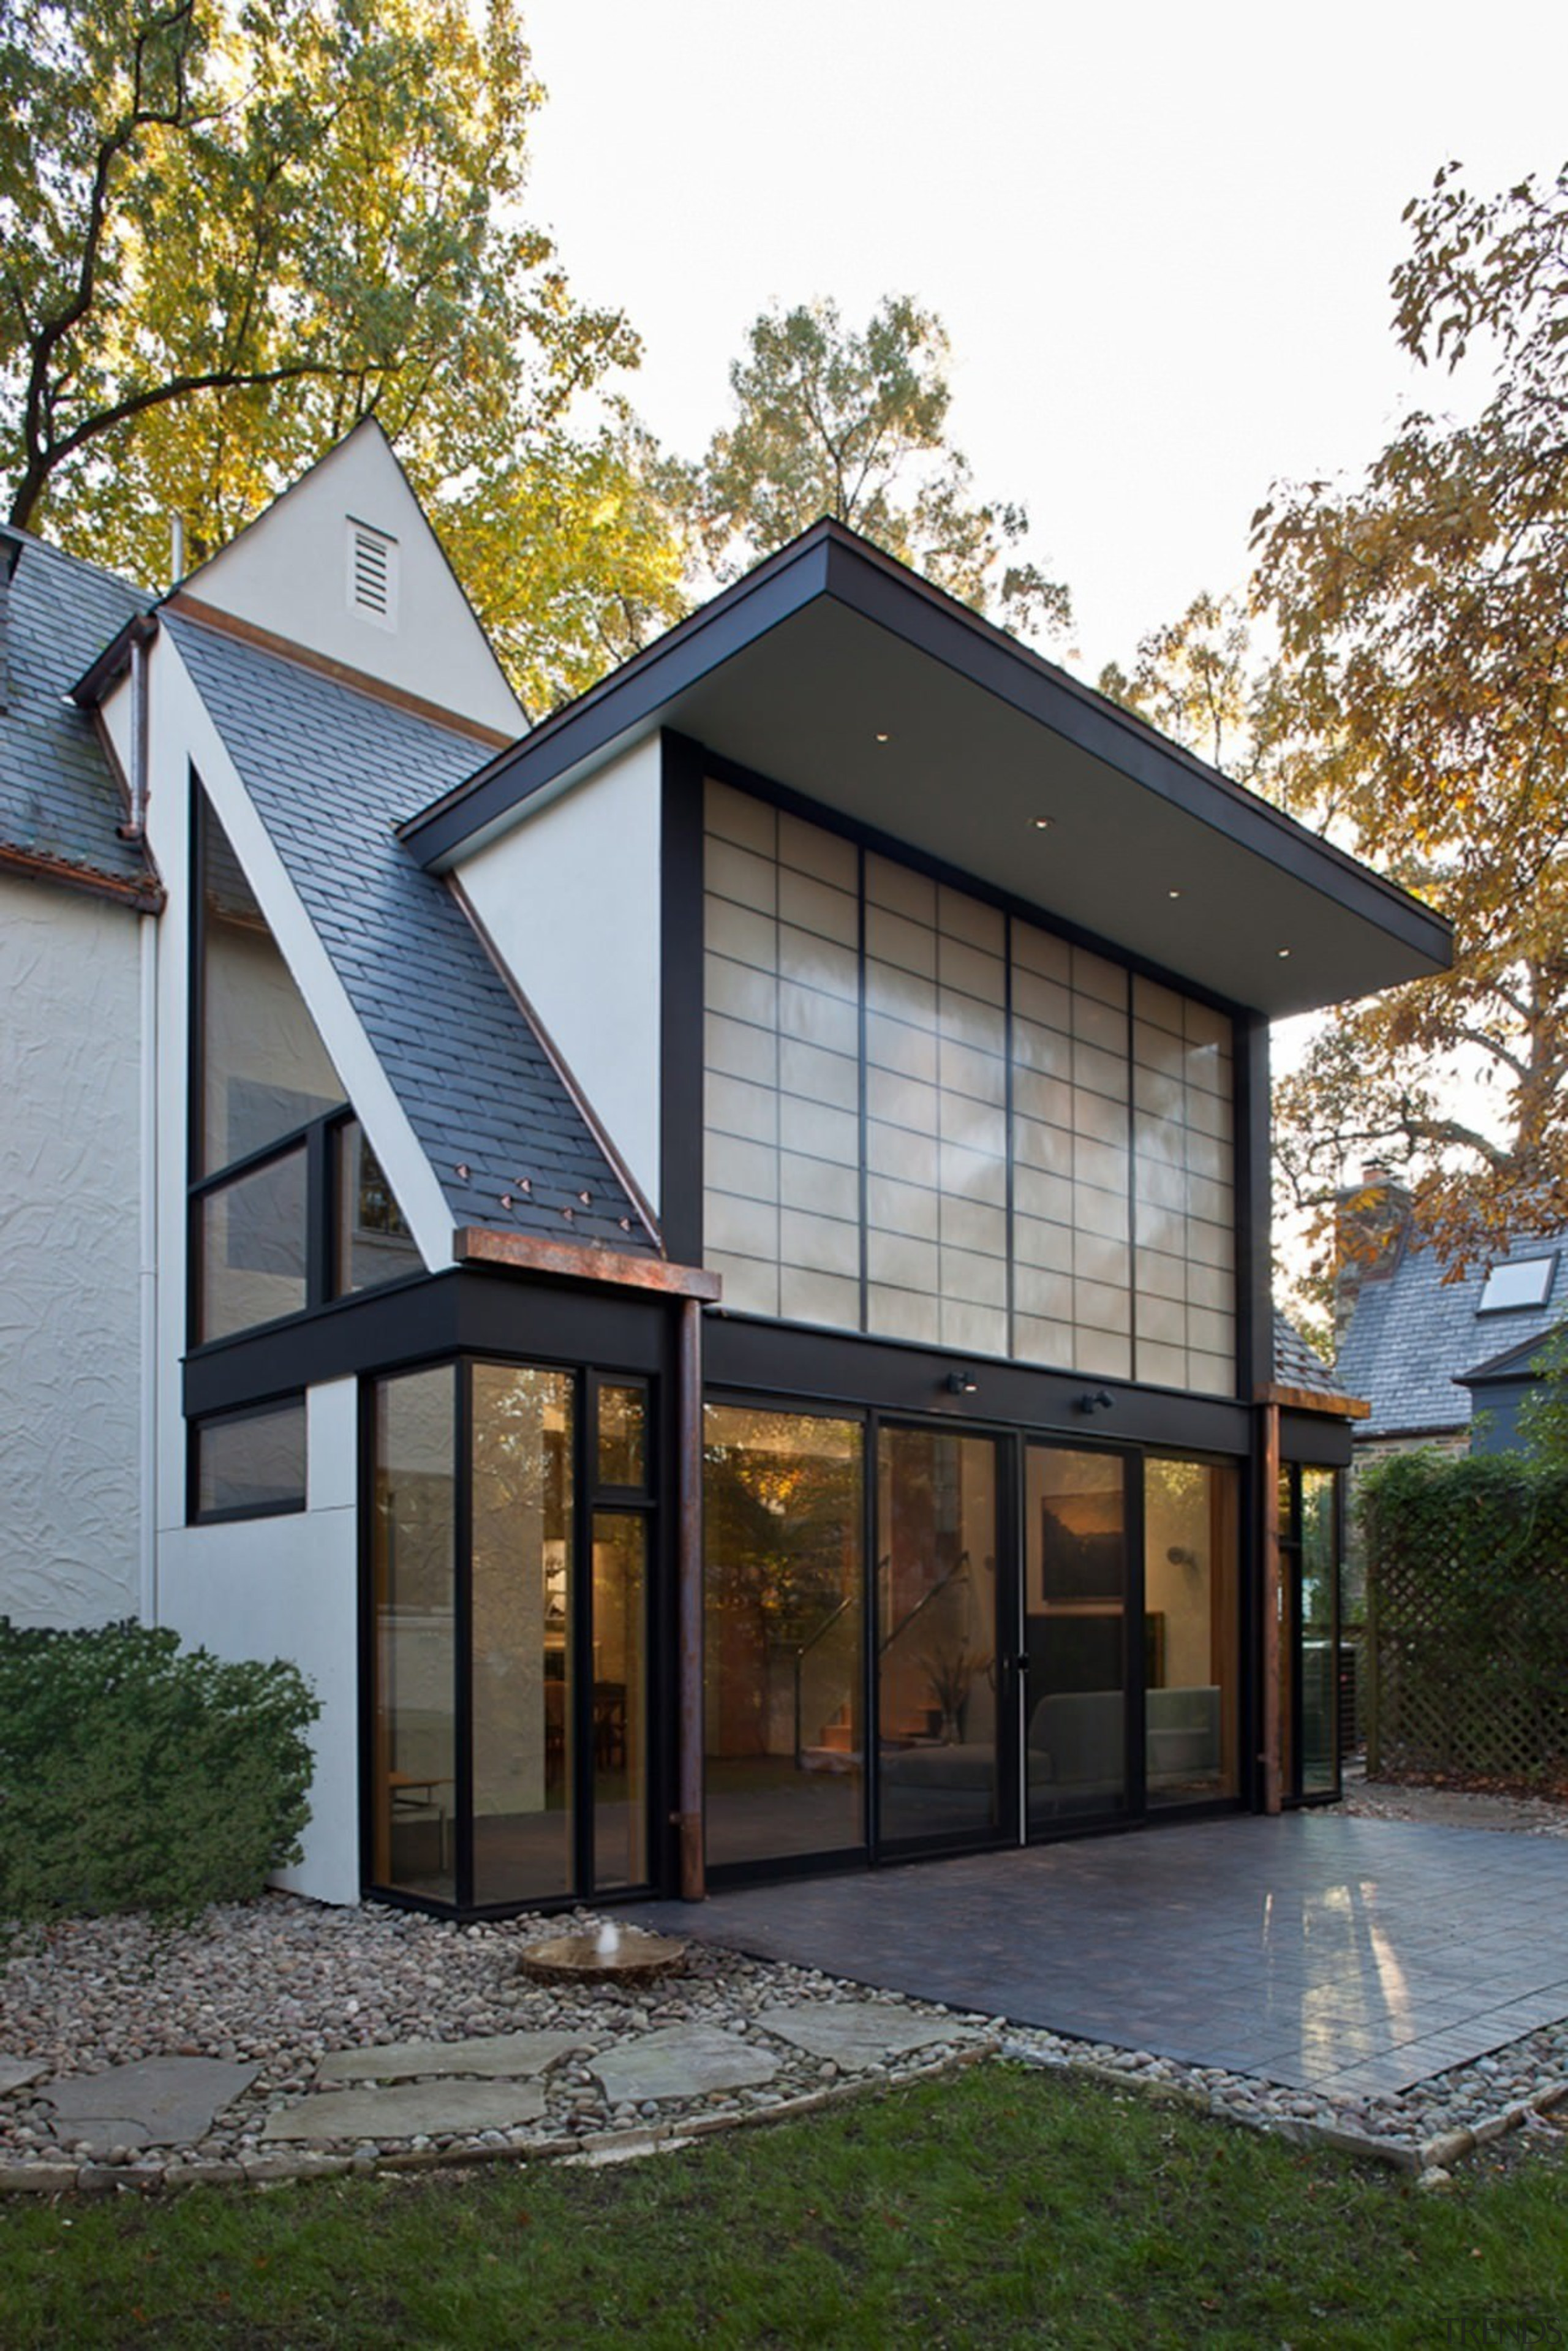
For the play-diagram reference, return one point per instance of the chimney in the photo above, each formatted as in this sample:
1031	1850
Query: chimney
1370	1222
10	556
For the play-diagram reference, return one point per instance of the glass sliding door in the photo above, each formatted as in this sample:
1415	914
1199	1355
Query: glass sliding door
784	1603
1191	1630
1308	1506
510	1571
413	1581
523	1608
1077	1576
937	1665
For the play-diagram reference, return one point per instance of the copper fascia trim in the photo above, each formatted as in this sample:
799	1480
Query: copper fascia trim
581	1261
141	898
268	641
1339	1408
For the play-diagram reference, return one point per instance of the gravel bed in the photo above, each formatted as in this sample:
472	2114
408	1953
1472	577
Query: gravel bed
1456	1808
281	1982
1472	2102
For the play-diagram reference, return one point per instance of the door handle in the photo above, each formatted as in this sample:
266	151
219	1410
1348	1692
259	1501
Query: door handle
1018	1665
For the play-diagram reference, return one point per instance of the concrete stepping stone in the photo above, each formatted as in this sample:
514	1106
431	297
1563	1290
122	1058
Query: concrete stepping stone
853	2033
496	2056
682	2061
17	2073
157	2102
410	2110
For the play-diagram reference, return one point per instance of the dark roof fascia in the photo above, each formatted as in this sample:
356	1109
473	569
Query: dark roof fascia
1513	1363
632	696
830	561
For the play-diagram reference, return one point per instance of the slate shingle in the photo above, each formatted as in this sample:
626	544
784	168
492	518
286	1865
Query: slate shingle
1412	1334
1297	1365
58	797
330	771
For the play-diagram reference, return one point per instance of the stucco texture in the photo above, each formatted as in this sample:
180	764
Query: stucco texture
69	1090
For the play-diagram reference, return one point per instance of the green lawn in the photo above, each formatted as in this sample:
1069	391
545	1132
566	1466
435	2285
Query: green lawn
998	2207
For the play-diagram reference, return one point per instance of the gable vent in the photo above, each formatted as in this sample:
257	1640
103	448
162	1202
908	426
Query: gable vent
372	574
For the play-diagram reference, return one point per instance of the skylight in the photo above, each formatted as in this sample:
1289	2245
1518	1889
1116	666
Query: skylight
1513	1286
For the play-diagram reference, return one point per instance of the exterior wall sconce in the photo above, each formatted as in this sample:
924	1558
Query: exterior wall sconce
1095	1400
962	1383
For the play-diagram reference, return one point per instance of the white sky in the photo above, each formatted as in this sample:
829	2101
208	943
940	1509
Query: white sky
1160	237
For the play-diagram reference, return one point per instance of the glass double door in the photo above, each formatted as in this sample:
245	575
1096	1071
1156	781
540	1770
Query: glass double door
1002	1649
1056	1635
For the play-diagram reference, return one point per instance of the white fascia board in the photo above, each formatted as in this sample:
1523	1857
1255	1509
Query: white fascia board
392	1139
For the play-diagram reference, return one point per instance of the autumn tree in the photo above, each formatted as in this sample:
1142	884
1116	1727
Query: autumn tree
228	234
1423	618
832	420
1197	681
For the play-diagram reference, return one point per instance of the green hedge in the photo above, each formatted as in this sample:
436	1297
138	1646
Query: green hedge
137	1776
1467	1564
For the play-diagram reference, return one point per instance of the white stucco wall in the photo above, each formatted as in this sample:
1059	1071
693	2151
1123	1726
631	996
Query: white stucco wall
570	897
286	1587
70	1395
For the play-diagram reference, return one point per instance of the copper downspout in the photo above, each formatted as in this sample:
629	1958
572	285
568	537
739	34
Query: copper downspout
689	1586
1269	1601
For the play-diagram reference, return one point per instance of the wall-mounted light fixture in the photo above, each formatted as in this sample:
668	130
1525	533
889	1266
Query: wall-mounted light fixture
962	1383
1095	1400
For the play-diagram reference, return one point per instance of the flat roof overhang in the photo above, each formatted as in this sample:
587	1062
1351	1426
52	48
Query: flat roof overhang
799	671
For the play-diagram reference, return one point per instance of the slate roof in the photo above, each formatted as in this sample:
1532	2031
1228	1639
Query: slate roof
60	799
1297	1365
330	770
1413	1335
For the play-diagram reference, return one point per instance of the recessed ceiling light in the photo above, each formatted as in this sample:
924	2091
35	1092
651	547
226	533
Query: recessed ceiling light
1284	953
1041	823
1173	894
884	738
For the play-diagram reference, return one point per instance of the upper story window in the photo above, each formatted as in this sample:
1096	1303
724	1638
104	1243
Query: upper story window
928	1120
289	1205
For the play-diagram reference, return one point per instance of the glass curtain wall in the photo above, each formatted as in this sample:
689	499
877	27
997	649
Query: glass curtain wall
1191	1630
784	1607
938	1667
927	1119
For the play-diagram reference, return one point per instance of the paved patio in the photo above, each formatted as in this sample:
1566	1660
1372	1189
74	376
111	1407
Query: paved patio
1351	1957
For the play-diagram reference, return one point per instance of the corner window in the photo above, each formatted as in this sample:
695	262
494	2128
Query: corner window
249	1465
289	1205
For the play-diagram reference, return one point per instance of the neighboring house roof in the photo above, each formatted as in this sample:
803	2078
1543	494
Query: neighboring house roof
1298	1365
330	770
1413	1336
61	805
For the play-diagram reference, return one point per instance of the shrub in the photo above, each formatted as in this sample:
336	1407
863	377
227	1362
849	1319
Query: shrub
137	1776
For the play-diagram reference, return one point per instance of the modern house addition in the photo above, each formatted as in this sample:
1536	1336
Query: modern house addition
712	1257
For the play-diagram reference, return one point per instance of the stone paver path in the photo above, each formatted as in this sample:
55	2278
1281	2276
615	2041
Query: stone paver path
17	2073
1349	1956
851	2033
408	2110
684	2061
159	2102
494	2056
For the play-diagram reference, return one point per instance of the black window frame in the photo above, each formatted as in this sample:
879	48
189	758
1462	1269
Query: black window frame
262	1408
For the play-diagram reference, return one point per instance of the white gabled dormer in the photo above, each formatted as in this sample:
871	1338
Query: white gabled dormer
345	566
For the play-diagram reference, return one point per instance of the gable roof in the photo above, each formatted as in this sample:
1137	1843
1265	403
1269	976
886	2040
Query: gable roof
1298	1365
839	675
289	574
61	805
1515	1363
1413	1336
330	770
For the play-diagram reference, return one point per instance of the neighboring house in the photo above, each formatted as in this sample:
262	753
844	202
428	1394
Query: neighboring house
709	1267
1440	1362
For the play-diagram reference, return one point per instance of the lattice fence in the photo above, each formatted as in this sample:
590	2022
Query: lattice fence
1468	1619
